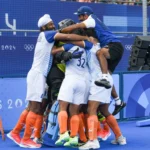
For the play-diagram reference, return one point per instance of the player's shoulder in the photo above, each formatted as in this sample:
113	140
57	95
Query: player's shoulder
50	32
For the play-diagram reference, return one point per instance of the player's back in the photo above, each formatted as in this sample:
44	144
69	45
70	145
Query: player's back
77	66
103	33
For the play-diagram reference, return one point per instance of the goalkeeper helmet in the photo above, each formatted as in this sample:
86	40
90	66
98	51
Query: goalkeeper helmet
65	23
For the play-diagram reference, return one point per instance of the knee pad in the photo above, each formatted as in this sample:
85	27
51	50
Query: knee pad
51	133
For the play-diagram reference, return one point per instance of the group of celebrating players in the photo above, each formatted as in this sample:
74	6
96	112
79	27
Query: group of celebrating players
77	62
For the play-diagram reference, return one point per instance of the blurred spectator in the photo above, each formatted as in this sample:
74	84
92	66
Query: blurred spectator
138	2
131	2
124	2
87	1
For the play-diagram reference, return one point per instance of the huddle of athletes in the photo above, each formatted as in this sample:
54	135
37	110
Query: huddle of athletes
91	53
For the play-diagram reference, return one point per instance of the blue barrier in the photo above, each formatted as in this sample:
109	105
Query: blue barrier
12	99
133	88
16	55
136	93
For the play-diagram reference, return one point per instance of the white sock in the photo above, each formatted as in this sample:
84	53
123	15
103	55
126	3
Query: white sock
105	76
117	101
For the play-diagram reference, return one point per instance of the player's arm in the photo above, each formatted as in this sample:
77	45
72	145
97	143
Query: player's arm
55	50
62	54
84	44
72	28
79	43
69	37
65	47
52	36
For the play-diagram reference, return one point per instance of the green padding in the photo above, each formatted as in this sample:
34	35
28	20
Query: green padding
62	67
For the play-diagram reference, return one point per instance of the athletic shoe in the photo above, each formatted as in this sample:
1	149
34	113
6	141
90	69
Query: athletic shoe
38	140
15	137
118	108
90	145
63	138
33	133
104	83
104	135
72	142
80	143
121	141
29	144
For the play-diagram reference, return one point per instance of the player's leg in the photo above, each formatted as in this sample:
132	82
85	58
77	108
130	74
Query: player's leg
15	133
92	126
35	94
2	130
112	122
112	54
64	98
119	104
62	120
39	121
80	97
74	125
83	129
116	53
103	132
32	116
102	55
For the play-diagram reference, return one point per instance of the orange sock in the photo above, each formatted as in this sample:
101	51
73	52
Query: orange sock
81	116
30	122
74	125
62	120
92	127
99	129
38	126
81	132
105	125
113	125
68	124
21	122
1	127
86	124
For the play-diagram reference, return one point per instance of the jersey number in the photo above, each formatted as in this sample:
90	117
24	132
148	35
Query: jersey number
81	62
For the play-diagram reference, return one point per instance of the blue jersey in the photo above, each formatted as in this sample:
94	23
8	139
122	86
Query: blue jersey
104	35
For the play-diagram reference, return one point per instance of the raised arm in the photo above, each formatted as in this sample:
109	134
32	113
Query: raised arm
84	44
73	27
69	37
78	43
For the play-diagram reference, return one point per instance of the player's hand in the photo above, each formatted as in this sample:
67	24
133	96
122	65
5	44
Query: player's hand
92	40
66	56
77	53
